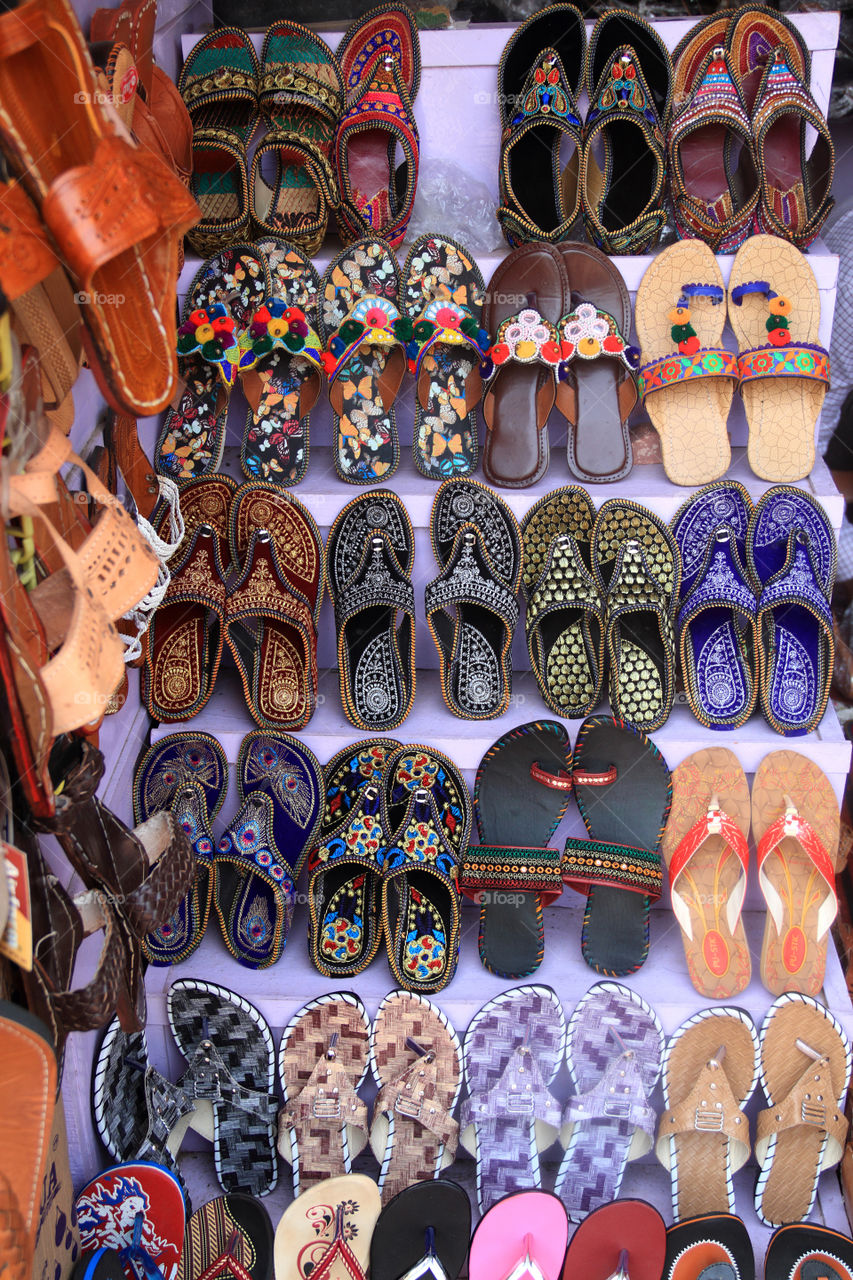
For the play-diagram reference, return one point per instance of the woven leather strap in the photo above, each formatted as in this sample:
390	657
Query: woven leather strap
710	1107
510	867
586	863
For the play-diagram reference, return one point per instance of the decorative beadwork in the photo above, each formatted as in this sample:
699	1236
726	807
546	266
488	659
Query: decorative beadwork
587	334
590	862
211	332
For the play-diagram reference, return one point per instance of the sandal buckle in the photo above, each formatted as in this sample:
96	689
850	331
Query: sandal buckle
814	1113
708	1120
408	1107
326	1108
520	1103
617	1108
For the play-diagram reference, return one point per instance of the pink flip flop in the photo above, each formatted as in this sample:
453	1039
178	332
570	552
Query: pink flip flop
627	1237
522	1237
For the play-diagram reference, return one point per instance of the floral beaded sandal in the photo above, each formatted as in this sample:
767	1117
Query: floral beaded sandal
365	362
219	304
283	380
443	294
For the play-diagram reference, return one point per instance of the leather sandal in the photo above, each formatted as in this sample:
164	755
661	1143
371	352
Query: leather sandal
28	1077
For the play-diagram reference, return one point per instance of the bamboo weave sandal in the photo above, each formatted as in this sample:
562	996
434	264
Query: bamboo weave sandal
369	558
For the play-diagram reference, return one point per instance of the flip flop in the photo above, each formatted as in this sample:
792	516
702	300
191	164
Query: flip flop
510	880
706	851
517	1039
96	1264
795	825
602	1132
424	1231
791	554
686	379
806	1251
524	1234
710	1071
623	792
774	309
805	1075
322	1063
187	773
139	1210
416	1059
228	1236
715	1246
443	295
327	1230
366	337
625	1238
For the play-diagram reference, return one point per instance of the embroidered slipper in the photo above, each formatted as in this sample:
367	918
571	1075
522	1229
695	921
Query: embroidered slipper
424	1231
565	615
636	563
511	880
805	1075
224	294
443	296
228	1235
710	1070
219	86
283	381
514	1045
302	95
322	1063
205	501
795	825
627	1237
806	1251
614	1046
711	1245
366	336
718	636
139	1210
187	773
623	792
706	851
686	379
231	1073
528	293
370	553
426	816
381	64
791	553
471	606
523	1234
752	36
596	390
327	1230
416	1060
774	309
345	867
272	609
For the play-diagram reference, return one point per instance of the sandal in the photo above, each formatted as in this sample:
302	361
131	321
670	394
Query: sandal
424	1230
623	791
805	1075
29	1069
426	816
219	86
804	1249
773	295
711	1240
228	1235
471	606
795	823
615	1237
302	94
219	304
520	1033
345	867
366	335
443	296
327	1230
138	1209
511	881
416	1059
706	851
322	1063
524	1234
369	558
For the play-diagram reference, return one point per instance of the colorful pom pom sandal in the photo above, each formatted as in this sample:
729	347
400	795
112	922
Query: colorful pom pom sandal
283	380
219	304
442	294
774	309
301	93
365	362
686	378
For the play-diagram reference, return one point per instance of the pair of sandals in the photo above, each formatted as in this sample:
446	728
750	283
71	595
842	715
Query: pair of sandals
754	617
249	573
627	74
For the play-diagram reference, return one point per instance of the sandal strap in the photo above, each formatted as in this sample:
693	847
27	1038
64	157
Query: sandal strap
27	255
797	582
791	825
275	326
337	1258
462	581
810	1104
587	863
288	84
199	578
445	321
634	586
226	1264
377	582
166	1104
521	1091
371	321
207	1078
525	338
414	1094
210	333
721	582
263	591
328	1094
565	583
512	869
709	1107
420	843
619	1094
794	360
589	333
358	840
716	822
708	362
87	1008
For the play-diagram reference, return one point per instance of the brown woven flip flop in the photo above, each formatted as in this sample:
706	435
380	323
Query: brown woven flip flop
710	1070
417	1063
795	825
805	1074
322	1063
707	854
